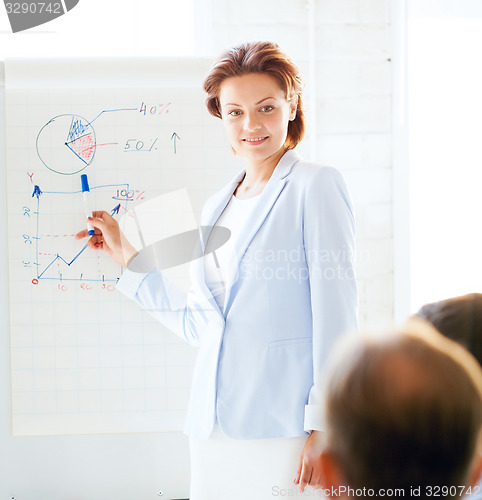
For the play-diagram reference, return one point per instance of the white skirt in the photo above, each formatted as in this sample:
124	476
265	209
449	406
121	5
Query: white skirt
230	469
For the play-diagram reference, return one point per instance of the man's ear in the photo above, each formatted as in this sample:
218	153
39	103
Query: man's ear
476	475
331	472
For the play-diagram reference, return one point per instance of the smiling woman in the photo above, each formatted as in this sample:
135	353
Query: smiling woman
256	113
265	327
268	62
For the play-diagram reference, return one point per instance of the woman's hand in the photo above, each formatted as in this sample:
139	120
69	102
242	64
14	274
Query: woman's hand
108	237
309	470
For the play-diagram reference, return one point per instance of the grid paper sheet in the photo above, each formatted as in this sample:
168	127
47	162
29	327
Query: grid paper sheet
84	359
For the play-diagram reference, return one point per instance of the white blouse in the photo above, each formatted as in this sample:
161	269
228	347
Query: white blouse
219	265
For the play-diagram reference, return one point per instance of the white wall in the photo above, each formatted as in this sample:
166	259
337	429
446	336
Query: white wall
353	111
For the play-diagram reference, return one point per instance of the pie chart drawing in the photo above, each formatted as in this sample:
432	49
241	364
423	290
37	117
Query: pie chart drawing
66	144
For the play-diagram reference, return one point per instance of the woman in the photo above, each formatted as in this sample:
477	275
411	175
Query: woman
267	310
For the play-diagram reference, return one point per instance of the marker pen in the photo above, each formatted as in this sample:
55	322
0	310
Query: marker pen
86	195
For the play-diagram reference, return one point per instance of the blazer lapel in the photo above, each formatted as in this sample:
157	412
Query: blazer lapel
218	204
267	199
213	211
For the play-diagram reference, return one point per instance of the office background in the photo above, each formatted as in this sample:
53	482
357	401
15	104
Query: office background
353	54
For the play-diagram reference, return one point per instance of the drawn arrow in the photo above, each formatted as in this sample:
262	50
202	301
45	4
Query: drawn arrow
115	210
36	192
175	136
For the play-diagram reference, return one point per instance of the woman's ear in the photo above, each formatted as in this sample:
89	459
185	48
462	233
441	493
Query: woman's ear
293	107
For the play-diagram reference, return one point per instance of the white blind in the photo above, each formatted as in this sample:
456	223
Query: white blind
445	134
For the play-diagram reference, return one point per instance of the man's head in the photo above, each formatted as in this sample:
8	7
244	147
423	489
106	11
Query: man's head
459	319
403	411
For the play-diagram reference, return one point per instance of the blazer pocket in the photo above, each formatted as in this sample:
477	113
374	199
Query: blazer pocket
288	342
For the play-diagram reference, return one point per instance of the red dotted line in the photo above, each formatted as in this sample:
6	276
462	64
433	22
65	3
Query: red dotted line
57	235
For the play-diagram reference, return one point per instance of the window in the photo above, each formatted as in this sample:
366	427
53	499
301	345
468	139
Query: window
444	78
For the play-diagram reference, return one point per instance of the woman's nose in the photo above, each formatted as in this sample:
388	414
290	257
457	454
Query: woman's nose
252	122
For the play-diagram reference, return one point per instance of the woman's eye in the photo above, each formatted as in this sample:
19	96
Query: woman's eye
267	108
234	112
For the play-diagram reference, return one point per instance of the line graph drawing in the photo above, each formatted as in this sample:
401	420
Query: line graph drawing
56	253
59	257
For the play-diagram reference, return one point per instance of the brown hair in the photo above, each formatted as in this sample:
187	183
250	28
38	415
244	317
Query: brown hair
258	57
404	411
460	319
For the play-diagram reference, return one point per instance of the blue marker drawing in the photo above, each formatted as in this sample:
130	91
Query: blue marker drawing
77	129
45	267
36	192
111	111
175	136
59	257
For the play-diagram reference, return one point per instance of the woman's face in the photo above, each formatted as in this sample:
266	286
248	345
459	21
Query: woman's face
255	113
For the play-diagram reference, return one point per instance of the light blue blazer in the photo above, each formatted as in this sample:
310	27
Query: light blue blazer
293	295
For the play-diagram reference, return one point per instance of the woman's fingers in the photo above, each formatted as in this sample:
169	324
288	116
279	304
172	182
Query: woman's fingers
309	470
97	223
108	237
97	241
305	476
107	228
82	234
298	472
102	214
316	480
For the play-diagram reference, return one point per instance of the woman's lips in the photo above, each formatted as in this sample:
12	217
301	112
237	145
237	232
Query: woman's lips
254	141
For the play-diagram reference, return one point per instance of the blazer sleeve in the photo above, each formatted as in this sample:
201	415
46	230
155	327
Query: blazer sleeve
329	240
183	313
